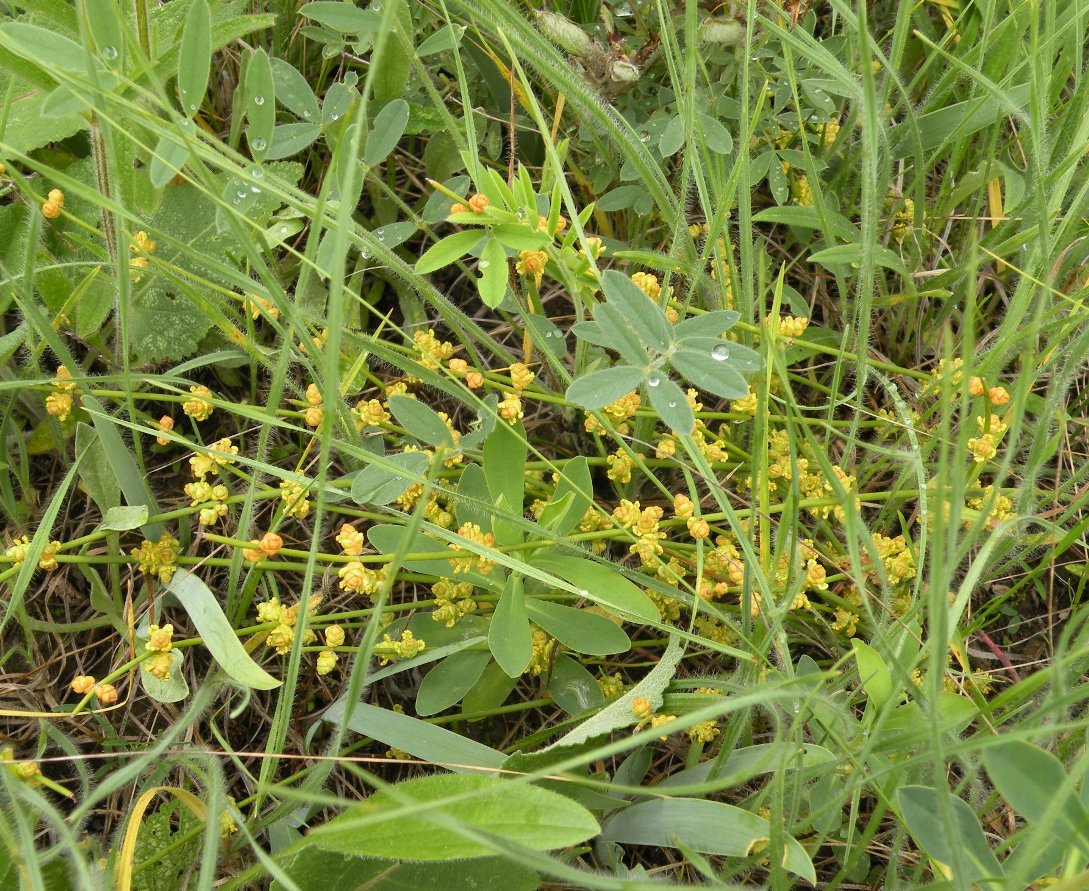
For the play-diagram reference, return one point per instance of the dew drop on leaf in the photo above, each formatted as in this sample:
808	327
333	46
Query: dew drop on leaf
258	100
653	380
720	352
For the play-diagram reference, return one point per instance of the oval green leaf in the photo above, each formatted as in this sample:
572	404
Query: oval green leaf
598	388
450	680
509	635
602	583
195	57
577	629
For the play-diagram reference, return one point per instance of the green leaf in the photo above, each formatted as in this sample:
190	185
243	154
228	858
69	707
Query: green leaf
445	252
851	255
711	374
44	46
122	519
873	673
420	739
197	599
95	470
195	57
602	583
388	128
290	139
710	324
514	812
492	283
642	313
572	498
395	234
449	681
174	688
620	198
716	136
520	237
922	814
509	635
447	37
671	403
421	421
599	388
546	335
293	92
504	469
313	869
672	138
709	827
810	218
614	324
1031	780
380	485
387	538
474	502
168	159
260	104
572	687
578	629
342	17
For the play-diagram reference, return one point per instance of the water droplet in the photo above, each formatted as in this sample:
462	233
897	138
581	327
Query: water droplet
720	352
284	230
484	264
521	215
363	255
241	193
583	592
236	201
258	100
255	190
307	115
377	7
109	53
672	404
192	106
334	117
258	144
328	52
381	236
257	173
653	380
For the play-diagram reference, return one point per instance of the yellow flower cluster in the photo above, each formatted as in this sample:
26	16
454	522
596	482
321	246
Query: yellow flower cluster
472	532
407	647
314	412
746	405
200	407
213	499
643	524
359	579
985	446
141	246
221	453
532	265
160	641
53	205
787	326
521	376
351	540
999	507
896	559
285	617
370	413
454	600
618	412
905	220
704	732
647	283
510	408
327	659
611	685
801	193
267	546
159	558
293	496
58	403
621	464
542	652
433	352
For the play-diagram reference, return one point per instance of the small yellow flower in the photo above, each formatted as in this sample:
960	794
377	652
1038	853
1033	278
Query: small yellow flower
371	413
48	559
458	367
478	202
976	386
520	376
510	409
105	693
200	407
158	558
159	665
682	506
59	406
166	424
648	284
532	265
327	661
83	684
474	380
270	544
313	416
998	395
160	639
56	196
293	496
351	540
594	247
641	707
334	636
698	527
458	208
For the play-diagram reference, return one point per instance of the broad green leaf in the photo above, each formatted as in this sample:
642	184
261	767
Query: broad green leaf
710	324
445	252
620	198
602	583
342	17
672	138
122	519
449	681
709	827
520	237
447	37
493	269
394	234
572	498
293	92
125	468
474	503
168	159
671	403
514	812
381	485
1031	781
195	57
490	692
616	715
960	119
642	313
427	742
810	218
573	688
65	101
392	58
578	629
919	806
851	255
387	538
314	869
599	388
546	335
44	46
197	599
94	469
593	333
509	635
174	688
504	469
873	673
421	421
260	104
105	25
290	139
616	326
716	136
388	128
737	356
710	373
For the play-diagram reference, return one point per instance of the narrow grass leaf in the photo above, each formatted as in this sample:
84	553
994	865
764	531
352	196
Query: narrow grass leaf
203	608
